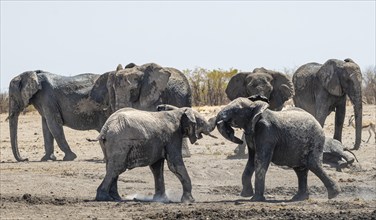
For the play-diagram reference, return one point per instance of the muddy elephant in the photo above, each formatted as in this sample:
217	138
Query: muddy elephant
290	138
322	88
61	101
81	102
276	87
134	138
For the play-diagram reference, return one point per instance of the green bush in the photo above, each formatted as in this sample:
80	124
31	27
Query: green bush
208	86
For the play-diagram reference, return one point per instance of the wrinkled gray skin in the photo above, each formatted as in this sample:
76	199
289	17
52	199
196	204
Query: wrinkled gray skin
290	138
322	88
82	102
146	86
334	152
61	101
275	86
133	138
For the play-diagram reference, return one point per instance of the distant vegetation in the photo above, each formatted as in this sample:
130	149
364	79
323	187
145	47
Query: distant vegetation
208	86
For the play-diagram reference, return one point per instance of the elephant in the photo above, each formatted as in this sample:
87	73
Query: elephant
83	102
60	100
274	86
334	154
134	138
146	86
322	88
290	138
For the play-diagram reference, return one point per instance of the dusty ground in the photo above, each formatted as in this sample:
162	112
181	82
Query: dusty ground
61	190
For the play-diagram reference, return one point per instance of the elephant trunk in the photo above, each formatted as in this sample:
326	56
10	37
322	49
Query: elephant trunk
227	132
358	112
13	126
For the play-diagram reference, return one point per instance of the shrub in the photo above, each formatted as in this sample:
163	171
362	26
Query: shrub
208	86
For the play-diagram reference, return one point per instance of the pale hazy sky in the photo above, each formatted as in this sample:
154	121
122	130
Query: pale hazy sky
70	37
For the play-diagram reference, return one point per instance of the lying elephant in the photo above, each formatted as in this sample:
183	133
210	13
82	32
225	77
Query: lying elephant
133	138
334	153
277	137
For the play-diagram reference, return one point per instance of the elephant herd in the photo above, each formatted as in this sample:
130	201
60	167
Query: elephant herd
144	117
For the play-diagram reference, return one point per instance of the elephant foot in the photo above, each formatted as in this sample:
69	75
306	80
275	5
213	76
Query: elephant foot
258	198
48	157
115	197
102	196
332	193
70	156
161	198
246	192
187	198
300	196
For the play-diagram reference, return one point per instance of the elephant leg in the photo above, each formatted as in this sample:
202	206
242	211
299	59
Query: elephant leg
176	165
185	149
247	190
240	149
107	190
114	190
262	161
48	142
58	133
157	170
103	191
339	119
314	165
321	112
302	184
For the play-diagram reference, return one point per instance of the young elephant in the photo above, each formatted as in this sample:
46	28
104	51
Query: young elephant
133	138
334	154
290	138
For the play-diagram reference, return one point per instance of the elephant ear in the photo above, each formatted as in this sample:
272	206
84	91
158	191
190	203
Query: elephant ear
99	93
153	84
283	90
257	110
189	125
236	87
329	78
23	87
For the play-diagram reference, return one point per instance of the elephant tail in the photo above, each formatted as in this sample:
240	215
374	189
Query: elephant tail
102	139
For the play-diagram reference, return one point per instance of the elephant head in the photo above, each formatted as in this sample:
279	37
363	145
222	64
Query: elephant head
193	124
21	89
137	86
275	86
344	77
240	113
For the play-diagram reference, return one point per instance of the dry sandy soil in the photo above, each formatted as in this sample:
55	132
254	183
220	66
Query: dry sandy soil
66	190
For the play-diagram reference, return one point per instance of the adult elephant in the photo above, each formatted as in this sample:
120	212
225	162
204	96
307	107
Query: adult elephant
135	86
275	86
322	88
61	101
80	102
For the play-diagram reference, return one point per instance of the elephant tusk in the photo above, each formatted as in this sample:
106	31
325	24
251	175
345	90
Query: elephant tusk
210	135
220	122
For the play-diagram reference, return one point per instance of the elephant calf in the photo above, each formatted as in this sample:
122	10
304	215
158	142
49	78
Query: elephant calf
290	138
133	138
